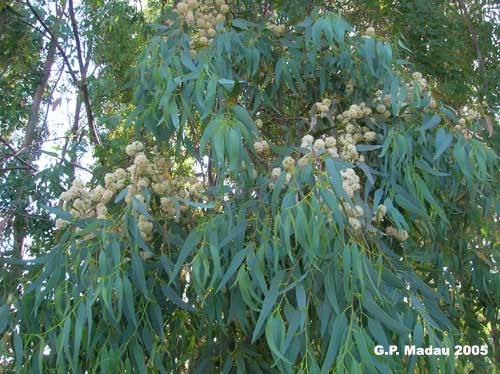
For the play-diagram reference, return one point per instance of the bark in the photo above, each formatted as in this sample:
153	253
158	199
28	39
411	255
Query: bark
38	96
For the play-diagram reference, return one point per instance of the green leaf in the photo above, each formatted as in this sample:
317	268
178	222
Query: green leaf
235	263
59	213
18	348
275	336
176	299
228	84
336	337
190	243
381	315
443	141
269	303
430	122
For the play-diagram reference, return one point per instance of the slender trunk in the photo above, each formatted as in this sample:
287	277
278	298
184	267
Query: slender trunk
37	98
20	216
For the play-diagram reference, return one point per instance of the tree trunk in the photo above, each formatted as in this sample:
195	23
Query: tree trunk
19	222
37	98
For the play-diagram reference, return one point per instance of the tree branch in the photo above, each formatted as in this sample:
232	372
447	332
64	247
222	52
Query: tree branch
475	41
15	154
83	81
53	37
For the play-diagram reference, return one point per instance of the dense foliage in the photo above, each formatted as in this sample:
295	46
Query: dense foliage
274	192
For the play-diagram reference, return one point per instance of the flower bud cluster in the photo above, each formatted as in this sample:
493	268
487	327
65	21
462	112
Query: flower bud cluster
204	16
355	112
350	181
355	215
143	173
262	147
323	107
462	127
420	80
395	233
275	28
369	32
276	173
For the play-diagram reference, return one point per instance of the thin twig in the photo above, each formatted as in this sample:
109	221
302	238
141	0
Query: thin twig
15	154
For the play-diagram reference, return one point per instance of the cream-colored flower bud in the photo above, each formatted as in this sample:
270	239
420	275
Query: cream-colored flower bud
304	160
333	152
204	41
130	150
224	8
182	7
461	122
107	196
370	31
387	114
432	104
75	213
381	108
330	142
200	22
109	178
80	205
101	210
319	144
258	123
417	76
288	163
308	139
61	224
66	196
350	128
190	18
370	136
220	18
275	173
